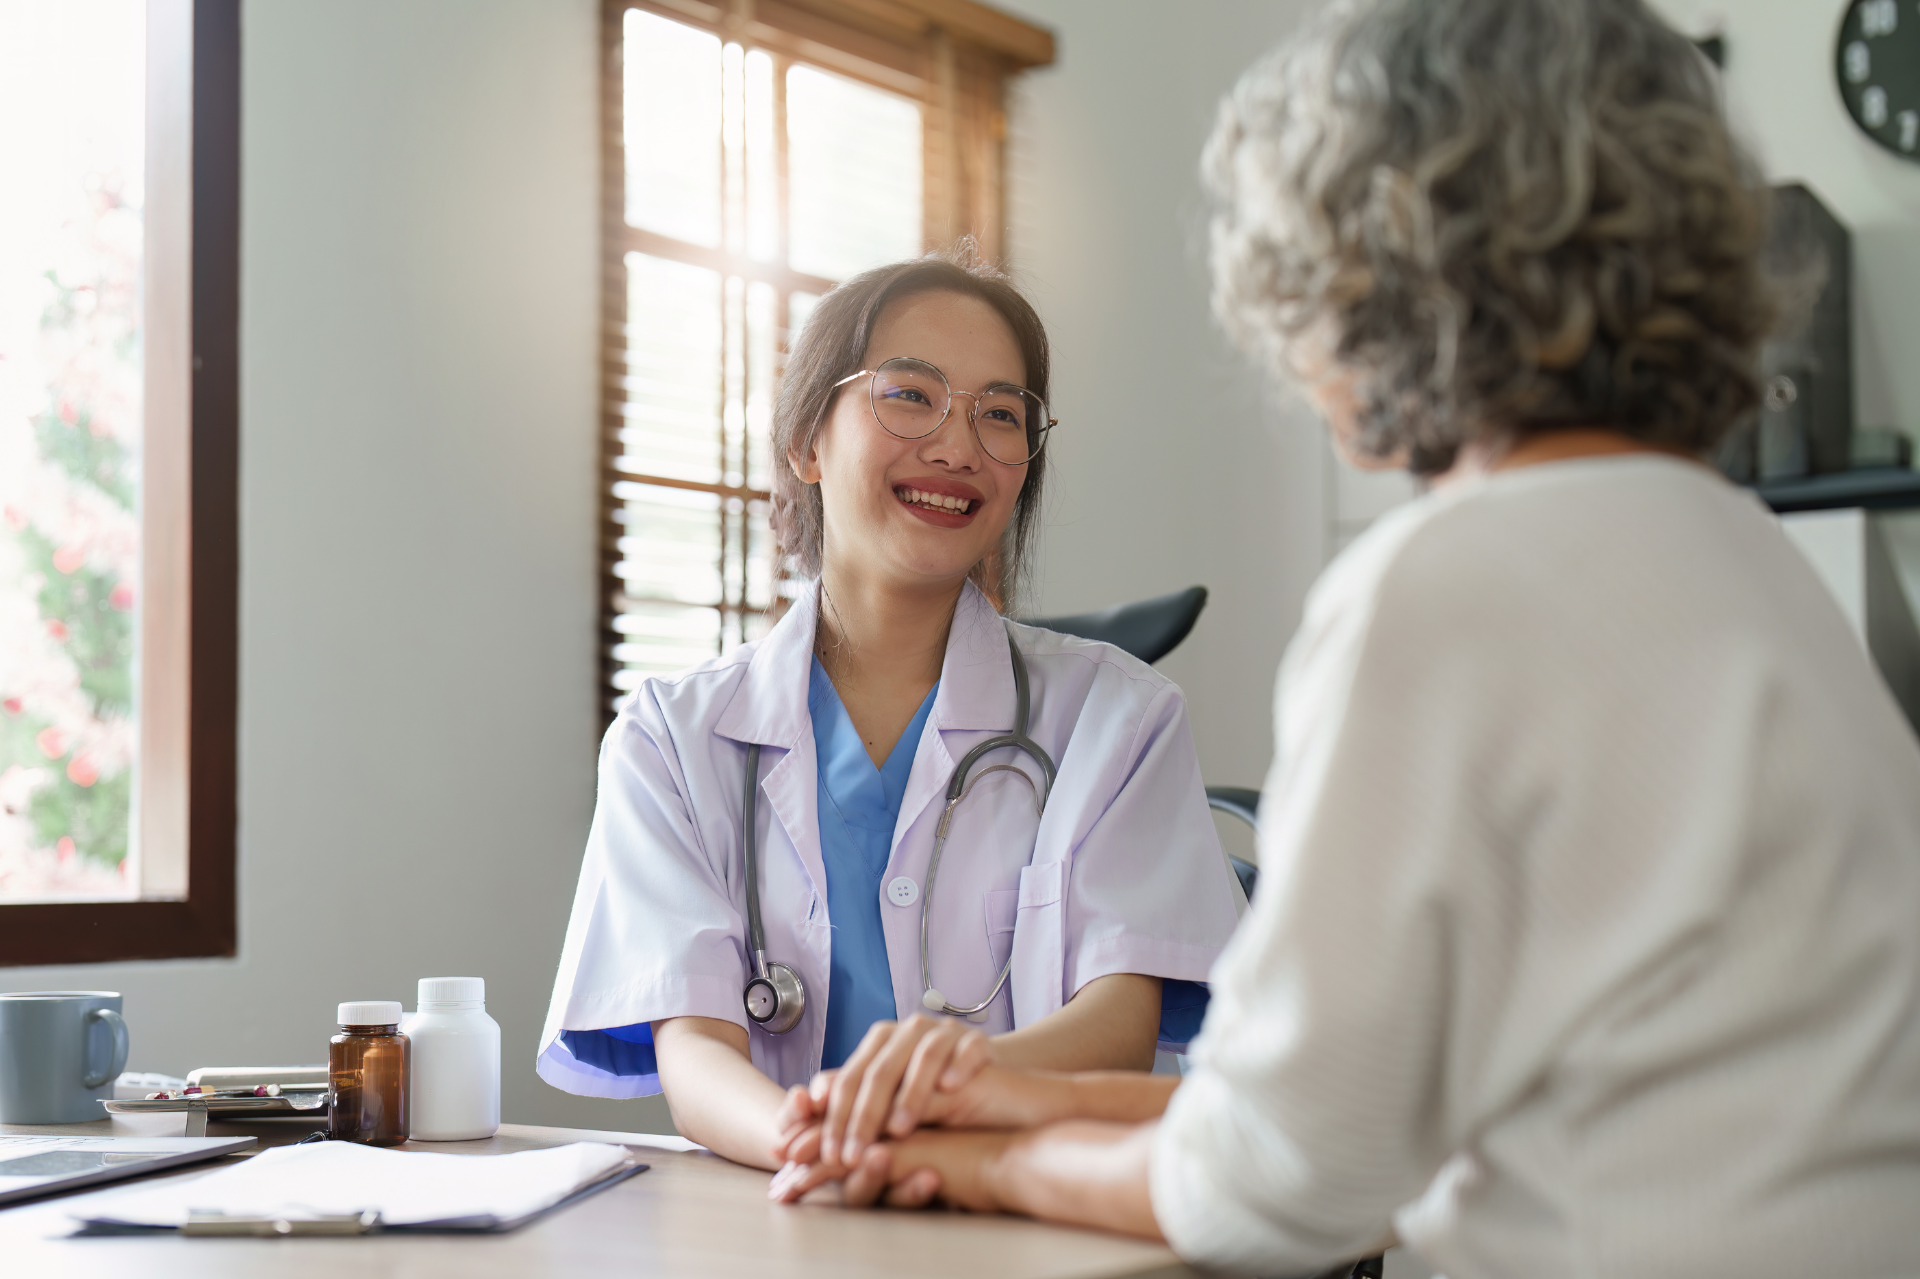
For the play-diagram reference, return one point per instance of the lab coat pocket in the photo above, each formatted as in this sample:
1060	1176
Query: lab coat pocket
1039	943
1001	906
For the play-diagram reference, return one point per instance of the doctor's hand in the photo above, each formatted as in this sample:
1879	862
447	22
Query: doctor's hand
888	1087
998	1097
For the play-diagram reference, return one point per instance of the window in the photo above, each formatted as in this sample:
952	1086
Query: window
118	400
756	154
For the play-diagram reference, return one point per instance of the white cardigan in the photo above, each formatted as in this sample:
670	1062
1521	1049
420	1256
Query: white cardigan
1587	941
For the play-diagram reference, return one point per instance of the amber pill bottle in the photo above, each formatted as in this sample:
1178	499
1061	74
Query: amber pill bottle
367	1068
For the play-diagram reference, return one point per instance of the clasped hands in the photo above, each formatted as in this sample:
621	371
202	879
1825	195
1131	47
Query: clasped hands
864	1124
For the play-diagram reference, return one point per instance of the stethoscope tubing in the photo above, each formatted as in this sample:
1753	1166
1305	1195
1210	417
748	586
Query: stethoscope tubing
756	931
963	781
958	786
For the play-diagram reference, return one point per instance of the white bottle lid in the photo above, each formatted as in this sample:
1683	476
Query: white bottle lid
370	1012
446	993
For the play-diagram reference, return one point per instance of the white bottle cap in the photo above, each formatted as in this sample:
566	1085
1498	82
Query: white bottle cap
370	1012
452	992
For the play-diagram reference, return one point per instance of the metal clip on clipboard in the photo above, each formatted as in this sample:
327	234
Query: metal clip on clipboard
218	1223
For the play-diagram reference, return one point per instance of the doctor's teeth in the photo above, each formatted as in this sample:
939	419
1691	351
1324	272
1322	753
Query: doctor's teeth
938	501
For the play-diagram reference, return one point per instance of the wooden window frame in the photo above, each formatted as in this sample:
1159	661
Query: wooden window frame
952	57
189	521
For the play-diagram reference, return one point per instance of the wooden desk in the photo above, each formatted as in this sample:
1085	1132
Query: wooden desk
691	1214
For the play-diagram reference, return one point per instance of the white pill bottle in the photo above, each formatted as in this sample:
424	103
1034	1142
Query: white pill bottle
455	1091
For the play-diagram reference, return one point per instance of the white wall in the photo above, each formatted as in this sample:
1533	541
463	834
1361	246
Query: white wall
1174	464
420	276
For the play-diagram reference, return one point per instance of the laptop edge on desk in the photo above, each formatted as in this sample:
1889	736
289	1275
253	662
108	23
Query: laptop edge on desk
34	1166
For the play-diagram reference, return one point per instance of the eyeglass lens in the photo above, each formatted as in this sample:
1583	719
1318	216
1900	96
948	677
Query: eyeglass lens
911	399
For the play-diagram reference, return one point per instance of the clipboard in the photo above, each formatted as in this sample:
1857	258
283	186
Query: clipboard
215	1225
282	1224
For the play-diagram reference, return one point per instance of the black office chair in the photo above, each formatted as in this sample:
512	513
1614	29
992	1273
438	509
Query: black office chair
1149	630
1244	804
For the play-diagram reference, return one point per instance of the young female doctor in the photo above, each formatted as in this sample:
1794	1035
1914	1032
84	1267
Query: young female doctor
898	817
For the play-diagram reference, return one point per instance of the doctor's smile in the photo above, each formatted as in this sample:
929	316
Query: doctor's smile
941	503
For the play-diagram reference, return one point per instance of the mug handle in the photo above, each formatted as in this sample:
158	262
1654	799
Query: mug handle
119	1064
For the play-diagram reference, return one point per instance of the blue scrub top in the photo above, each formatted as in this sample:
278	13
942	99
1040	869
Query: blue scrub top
859	807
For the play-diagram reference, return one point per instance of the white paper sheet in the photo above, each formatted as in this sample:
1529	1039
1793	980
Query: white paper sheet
336	1178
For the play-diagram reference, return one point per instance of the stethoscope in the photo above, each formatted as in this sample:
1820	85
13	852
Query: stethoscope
775	997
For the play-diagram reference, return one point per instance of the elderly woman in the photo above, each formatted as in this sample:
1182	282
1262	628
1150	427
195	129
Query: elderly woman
1588	933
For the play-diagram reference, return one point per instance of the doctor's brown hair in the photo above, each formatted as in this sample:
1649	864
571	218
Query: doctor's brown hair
832	346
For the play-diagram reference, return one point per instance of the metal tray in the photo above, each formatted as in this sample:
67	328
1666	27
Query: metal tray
312	1105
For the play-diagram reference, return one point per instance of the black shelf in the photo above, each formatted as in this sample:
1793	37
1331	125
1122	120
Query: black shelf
1880	488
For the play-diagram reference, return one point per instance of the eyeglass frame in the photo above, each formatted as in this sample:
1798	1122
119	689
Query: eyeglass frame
973	412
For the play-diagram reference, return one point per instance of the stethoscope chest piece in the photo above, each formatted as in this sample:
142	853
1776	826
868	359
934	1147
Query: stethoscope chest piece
775	999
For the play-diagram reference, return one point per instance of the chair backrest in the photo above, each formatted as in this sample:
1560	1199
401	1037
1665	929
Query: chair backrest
1149	629
1244	804
1241	801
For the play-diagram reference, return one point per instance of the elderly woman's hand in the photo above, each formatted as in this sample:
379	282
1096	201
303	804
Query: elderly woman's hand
950	1167
953	1168
1086	1172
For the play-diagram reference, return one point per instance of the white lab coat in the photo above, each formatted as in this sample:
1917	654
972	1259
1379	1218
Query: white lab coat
1124	874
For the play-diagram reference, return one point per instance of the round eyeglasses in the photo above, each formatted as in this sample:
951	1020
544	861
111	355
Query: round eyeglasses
911	399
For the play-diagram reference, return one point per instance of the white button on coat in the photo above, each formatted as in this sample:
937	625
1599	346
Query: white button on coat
902	891
1124	873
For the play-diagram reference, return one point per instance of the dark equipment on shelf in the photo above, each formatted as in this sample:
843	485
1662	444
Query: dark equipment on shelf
1805	424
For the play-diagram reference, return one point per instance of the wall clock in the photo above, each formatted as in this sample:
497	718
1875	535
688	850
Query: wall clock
1877	61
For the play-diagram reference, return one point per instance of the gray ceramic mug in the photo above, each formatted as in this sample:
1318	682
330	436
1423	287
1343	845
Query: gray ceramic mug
59	1053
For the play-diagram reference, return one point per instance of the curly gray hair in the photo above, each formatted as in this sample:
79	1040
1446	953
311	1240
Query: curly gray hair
1500	216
